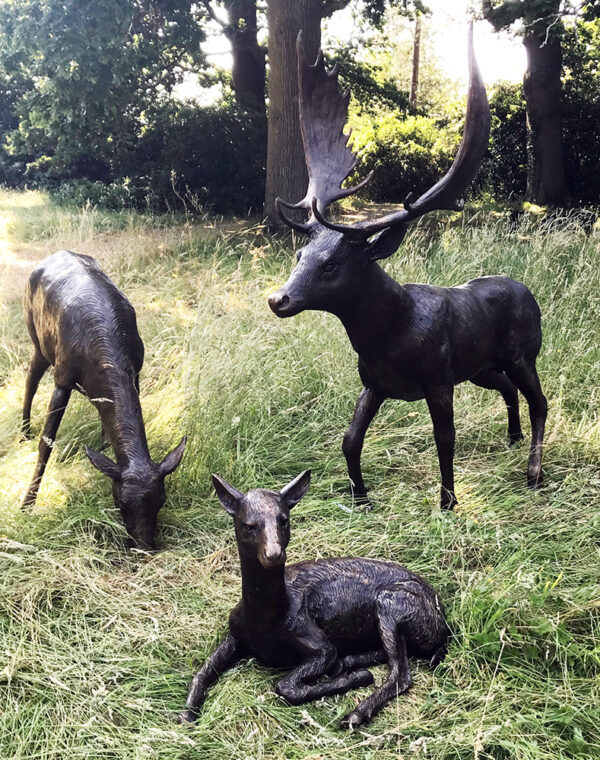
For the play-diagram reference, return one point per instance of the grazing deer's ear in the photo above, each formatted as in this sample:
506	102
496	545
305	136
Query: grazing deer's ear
229	496
386	242
295	489
103	463
173	460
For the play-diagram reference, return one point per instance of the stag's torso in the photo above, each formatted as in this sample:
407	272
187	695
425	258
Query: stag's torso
82	323
432	335
339	597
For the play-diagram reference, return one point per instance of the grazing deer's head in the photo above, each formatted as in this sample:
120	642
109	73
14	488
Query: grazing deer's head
261	518
331	267
139	491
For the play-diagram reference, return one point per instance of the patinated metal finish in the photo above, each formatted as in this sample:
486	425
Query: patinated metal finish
413	341
83	326
327	620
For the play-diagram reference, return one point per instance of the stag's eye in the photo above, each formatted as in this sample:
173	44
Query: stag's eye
330	267
249	527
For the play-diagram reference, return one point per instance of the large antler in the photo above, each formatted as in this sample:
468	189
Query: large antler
323	114
445	194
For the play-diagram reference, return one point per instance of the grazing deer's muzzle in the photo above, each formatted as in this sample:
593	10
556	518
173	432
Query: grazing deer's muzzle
282	305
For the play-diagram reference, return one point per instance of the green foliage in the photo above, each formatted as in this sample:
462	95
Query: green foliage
99	644
87	70
212	157
408	154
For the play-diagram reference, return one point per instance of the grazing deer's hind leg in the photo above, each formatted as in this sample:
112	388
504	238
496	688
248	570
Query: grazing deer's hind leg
390	609
39	364
498	381
525	377
58	404
224	656
367	406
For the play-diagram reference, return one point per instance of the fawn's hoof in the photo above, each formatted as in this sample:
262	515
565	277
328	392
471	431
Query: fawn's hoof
514	438
351	721
535	481
186	717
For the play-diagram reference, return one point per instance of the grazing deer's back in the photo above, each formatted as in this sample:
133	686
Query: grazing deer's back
77	315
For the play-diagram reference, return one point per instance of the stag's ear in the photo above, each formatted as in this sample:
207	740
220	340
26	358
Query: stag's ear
173	460
229	496
295	489
386	242
103	463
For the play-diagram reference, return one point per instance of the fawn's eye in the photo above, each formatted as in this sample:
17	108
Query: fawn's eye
249	527
330	267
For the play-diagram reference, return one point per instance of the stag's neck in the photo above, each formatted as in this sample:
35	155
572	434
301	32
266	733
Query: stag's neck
114	395
264	595
378	309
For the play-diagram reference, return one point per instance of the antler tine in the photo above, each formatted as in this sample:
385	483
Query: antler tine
446	193
303	227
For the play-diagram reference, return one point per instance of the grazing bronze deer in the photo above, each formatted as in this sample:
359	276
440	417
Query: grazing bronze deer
413	341
327	620
83	326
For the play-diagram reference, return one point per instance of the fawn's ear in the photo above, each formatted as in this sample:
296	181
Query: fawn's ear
229	496
103	463
173	460
295	489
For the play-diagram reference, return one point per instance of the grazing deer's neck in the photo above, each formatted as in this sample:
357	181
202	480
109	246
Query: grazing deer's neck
375	310
114	394
264	594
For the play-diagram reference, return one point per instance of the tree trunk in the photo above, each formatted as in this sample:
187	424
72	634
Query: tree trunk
286	168
414	82
248	70
546	177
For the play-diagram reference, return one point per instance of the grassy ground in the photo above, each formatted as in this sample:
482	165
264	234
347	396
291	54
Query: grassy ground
97	645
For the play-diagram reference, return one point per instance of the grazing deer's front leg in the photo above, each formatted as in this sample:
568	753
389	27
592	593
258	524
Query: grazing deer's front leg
224	656
367	406
440	403
298	686
58	404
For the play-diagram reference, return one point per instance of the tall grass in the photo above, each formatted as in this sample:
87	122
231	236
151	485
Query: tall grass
97	645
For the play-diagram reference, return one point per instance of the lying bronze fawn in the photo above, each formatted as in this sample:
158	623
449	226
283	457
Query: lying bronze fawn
327	620
83	326
413	341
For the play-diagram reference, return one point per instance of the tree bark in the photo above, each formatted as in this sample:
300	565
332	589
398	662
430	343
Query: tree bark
414	82
286	168
546	176
248	70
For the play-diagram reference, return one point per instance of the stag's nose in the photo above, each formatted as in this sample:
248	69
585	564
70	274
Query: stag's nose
278	301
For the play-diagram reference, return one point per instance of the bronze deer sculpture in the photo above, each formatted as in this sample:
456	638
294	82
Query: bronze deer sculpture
326	620
83	326
413	341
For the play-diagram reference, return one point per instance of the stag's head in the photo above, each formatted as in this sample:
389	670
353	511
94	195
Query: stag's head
331	267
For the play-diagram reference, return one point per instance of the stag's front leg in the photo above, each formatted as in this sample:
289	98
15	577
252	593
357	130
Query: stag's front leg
366	408
441	409
224	656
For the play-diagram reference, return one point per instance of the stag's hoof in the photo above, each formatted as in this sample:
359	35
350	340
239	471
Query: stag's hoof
186	717
535	481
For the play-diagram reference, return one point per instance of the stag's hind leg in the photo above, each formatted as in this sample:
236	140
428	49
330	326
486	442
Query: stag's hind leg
391	609
39	364
498	381
525	377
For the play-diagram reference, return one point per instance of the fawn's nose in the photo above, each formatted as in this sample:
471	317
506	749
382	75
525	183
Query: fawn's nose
278	301
272	556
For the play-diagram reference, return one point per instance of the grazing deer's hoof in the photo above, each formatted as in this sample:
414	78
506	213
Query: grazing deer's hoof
448	500
26	435
186	717
514	438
